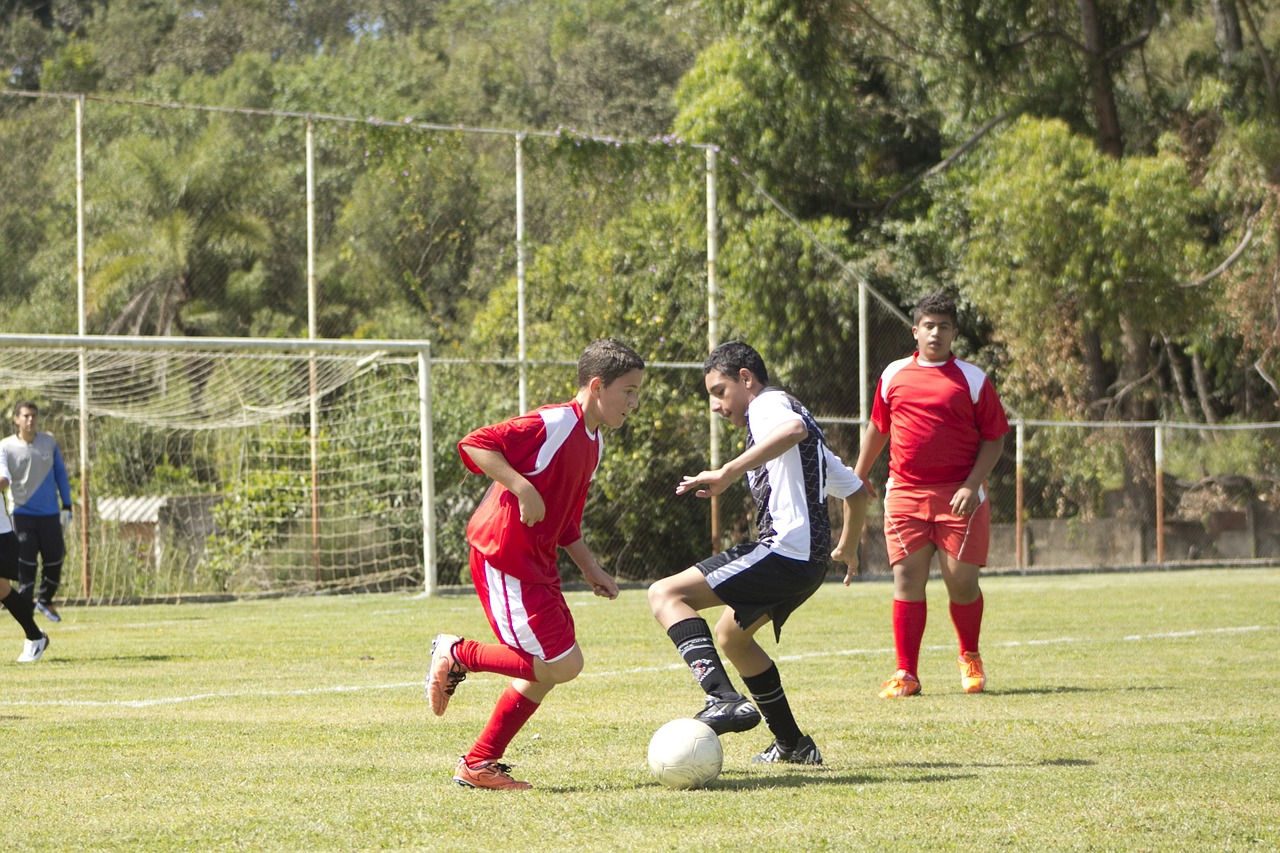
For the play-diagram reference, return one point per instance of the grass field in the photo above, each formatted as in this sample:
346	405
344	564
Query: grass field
1123	712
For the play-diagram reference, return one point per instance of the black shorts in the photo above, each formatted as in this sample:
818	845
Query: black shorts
754	581
9	556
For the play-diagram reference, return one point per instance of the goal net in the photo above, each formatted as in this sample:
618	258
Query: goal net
234	466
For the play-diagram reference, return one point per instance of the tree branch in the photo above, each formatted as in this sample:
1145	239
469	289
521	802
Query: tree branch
942	165
1231	259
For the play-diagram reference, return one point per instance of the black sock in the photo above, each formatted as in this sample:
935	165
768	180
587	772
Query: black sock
20	609
693	641
766	690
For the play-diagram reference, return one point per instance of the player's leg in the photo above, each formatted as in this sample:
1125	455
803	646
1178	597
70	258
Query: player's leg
675	602
480	767
764	682
910	614
966	615
28	556
19	608
52	553
964	541
908	533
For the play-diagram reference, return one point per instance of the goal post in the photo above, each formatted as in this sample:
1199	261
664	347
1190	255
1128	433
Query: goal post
236	465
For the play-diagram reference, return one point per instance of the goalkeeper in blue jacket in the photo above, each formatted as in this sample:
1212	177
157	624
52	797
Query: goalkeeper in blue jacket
40	494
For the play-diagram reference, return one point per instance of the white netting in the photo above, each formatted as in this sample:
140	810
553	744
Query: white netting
205	474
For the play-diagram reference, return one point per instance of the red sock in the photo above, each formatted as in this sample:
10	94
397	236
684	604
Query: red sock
509	716
494	657
908	632
968	621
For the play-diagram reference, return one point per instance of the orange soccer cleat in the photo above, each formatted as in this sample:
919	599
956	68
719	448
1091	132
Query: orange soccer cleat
446	673
972	678
487	774
901	684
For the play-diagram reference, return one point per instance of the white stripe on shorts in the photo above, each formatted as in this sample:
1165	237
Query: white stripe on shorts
718	576
506	602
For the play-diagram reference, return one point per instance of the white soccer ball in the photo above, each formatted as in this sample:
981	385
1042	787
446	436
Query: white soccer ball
685	753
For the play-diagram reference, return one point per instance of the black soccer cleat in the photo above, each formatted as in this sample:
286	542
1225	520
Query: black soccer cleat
729	715
805	752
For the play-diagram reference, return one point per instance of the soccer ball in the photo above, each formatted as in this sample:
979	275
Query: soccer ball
685	753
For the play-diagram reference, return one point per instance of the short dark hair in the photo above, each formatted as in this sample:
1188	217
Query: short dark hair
25	404
935	303
732	356
607	358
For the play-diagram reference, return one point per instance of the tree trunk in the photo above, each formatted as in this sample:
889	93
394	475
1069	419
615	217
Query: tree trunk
1139	442
1265	58
1226	26
1203	385
1110	140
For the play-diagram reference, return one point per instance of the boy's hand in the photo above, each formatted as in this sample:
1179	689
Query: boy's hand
964	501
532	507
602	583
850	560
715	482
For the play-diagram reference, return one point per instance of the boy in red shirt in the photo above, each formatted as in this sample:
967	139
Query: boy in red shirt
945	428
541	463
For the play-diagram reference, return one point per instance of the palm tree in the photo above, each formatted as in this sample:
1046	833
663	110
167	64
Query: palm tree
179	227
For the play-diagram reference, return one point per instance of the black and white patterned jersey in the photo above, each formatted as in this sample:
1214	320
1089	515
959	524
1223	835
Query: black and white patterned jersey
790	491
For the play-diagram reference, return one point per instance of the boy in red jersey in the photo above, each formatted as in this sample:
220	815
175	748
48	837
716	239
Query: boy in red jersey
945	428
541	463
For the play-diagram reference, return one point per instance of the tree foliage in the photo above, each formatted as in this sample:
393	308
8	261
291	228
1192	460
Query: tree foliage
1098	181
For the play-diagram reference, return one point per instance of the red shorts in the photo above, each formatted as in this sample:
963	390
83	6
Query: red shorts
915	516
528	617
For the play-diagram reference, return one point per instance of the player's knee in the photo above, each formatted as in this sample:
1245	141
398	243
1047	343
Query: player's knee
565	669
659	596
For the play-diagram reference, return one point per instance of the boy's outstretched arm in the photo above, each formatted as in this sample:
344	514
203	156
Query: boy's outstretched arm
602	583
496	466
774	445
855	517
873	442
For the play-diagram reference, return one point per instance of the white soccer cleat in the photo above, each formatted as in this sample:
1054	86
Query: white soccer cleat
33	649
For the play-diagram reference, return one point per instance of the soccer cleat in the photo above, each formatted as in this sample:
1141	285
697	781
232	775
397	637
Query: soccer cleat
445	674
901	684
972	678
729	715
33	649
804	752
487	774
49	611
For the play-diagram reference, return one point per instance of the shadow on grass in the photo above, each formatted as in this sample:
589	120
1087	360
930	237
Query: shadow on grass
987	765
740	780
44	662
1063	690
1039	691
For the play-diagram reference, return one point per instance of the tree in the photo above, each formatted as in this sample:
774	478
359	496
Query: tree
173	237
1059	246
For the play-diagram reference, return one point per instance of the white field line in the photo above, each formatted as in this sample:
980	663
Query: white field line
619	673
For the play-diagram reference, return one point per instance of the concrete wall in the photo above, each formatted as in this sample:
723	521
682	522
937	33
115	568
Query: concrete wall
1249	534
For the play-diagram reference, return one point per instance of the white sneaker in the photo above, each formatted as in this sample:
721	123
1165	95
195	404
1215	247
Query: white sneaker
33	649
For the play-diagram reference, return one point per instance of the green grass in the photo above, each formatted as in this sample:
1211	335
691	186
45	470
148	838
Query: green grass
1124	712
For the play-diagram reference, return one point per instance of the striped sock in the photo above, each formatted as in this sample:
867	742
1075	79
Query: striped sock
771	699
693	641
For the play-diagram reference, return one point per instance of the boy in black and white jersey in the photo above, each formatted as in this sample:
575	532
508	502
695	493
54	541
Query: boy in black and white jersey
17	605
790	471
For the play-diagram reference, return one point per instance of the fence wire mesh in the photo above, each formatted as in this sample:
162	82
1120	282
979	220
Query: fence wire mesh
204	222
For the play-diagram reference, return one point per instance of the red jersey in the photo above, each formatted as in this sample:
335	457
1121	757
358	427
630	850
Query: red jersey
935	415
552	448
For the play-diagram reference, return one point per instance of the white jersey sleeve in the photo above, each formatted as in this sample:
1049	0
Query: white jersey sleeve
841	481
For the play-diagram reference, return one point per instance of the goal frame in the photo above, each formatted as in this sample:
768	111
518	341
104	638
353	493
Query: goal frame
313	346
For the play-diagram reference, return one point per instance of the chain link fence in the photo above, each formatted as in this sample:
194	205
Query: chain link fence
168	219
